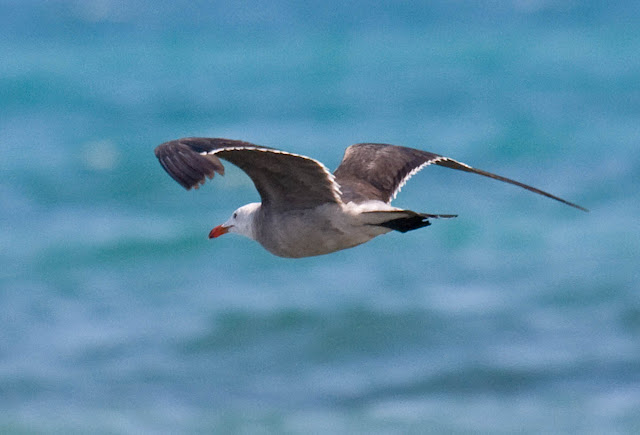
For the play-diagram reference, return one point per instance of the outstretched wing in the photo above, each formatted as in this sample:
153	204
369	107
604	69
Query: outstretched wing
378	171
283	180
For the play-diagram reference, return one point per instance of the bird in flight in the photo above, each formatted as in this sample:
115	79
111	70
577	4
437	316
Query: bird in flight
306	210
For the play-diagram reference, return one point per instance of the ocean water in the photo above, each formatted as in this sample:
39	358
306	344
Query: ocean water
118	315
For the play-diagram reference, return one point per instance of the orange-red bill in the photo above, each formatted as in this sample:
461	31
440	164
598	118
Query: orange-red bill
218	231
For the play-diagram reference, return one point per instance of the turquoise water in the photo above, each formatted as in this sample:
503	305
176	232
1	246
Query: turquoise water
118	315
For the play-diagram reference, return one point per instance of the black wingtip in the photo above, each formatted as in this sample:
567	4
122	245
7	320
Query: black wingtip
579	207
187	167
453	164
564	201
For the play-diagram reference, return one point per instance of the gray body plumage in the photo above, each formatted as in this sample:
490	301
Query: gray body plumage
302	233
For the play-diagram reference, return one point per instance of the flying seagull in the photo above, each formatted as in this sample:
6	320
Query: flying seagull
306	210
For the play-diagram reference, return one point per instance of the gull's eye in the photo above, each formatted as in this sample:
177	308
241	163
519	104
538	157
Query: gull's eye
235	214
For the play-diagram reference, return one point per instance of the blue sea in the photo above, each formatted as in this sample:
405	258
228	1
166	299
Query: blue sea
119	316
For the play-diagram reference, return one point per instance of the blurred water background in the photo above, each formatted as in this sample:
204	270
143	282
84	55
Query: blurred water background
118	315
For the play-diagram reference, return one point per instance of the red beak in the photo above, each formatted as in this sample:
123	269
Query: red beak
218	231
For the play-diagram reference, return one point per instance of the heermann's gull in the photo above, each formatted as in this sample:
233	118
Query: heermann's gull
306	210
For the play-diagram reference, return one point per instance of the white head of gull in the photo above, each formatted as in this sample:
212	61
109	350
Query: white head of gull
241	222
306	210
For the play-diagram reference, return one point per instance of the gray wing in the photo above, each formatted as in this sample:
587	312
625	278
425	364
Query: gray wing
283	180
378	171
